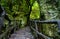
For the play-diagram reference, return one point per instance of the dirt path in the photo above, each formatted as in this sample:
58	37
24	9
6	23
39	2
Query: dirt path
22	34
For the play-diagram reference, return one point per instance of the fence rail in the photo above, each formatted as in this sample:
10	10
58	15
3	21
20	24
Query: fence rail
9	29
47	22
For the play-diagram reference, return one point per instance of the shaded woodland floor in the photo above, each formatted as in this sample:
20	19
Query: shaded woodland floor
24	33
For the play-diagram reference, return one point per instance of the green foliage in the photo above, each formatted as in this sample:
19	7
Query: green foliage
35	13
50	8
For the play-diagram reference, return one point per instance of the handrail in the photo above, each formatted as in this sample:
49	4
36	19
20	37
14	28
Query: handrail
47	21
9	29
44	36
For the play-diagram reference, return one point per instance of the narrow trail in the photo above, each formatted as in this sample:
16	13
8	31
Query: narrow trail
24	33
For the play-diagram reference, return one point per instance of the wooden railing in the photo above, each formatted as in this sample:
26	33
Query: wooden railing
15	26
7	33
35	27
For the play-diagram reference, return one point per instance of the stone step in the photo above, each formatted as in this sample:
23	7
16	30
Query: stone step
22	34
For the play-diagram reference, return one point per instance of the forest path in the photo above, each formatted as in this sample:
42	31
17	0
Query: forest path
24	33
